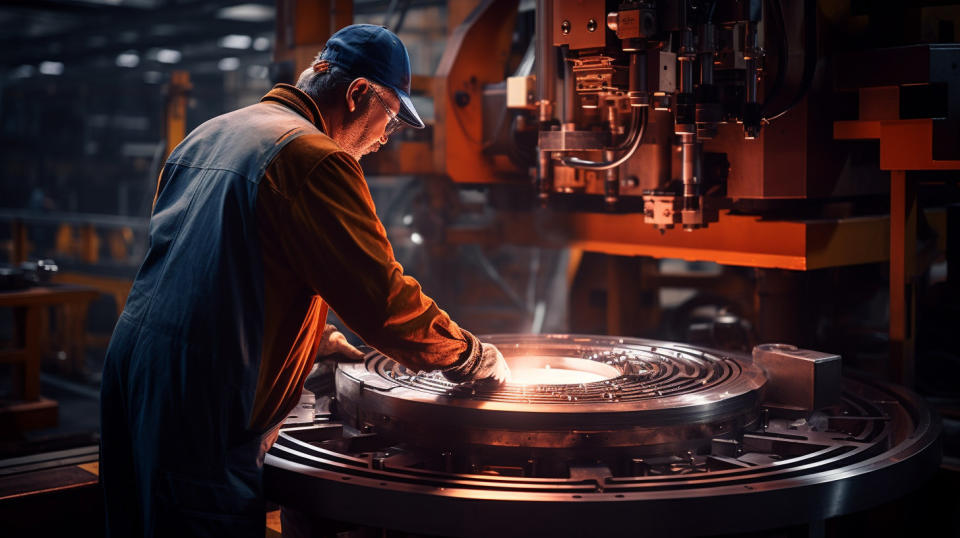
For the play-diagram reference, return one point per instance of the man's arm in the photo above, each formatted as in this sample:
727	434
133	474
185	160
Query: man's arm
340	247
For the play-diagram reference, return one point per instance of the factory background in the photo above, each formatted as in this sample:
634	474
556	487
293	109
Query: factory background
95	93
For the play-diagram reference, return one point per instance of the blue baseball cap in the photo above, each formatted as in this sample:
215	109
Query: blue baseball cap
377	54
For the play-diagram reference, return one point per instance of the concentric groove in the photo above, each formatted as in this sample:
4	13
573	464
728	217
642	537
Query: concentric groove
648	370
696	447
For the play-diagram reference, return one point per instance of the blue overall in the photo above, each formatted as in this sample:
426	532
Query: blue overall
178	456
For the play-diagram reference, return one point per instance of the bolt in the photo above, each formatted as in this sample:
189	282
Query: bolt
565	27
461	98
592	25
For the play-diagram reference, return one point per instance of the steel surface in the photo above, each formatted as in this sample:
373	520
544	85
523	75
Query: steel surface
664	394
878	443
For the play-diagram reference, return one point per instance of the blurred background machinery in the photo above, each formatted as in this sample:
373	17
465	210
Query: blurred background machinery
715	172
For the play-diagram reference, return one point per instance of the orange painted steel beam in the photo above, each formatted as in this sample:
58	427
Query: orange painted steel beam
856	130
303	27
908	145
733	240
176	119
904	144
474	56
29	306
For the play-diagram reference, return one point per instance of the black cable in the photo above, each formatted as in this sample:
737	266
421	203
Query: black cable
809	57
776	7
713	8
606	165
397	26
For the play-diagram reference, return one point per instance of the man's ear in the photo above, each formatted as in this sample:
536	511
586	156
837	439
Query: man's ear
355	92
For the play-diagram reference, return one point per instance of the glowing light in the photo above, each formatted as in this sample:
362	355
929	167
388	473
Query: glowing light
128	59
416	238
236	41
168	56
553	370
228	64
552	376
51	68
247	12
261	43
258	71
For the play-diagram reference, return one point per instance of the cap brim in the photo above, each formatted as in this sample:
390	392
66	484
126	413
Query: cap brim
407	113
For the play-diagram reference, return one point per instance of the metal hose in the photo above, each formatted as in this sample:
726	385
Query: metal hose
606	165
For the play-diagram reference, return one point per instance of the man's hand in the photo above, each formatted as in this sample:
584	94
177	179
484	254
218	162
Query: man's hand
488	364
334	345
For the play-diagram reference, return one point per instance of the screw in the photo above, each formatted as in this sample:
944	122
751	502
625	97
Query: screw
592	25
565	27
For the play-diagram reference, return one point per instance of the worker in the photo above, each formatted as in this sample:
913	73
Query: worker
262	219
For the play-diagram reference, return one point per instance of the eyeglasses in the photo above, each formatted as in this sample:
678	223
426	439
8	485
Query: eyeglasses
394	123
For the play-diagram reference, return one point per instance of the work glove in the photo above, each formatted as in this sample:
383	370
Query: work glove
489	363
334	346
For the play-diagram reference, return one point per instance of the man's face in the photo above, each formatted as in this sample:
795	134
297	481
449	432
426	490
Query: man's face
364	127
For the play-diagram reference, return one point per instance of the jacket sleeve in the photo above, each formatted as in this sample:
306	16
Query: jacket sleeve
343	253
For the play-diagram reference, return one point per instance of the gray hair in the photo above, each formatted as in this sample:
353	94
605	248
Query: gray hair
327	85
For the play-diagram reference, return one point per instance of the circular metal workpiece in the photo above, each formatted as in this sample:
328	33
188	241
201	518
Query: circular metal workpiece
657	394
679	442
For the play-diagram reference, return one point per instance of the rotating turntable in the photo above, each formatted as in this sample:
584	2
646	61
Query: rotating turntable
646	432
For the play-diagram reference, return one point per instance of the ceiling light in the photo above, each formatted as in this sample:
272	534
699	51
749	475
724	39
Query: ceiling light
247	12
261	43
168	56
258	71
51	68
228	64
236	41
129	58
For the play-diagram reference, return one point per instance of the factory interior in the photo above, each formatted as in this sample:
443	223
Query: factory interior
717	242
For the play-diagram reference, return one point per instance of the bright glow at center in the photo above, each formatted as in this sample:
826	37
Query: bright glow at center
552	376
51	68
168	56
535	369
228	64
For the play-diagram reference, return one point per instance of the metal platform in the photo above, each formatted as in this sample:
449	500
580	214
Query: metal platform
680	442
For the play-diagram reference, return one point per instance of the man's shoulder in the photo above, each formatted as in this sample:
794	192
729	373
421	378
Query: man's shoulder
306	156
310	146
